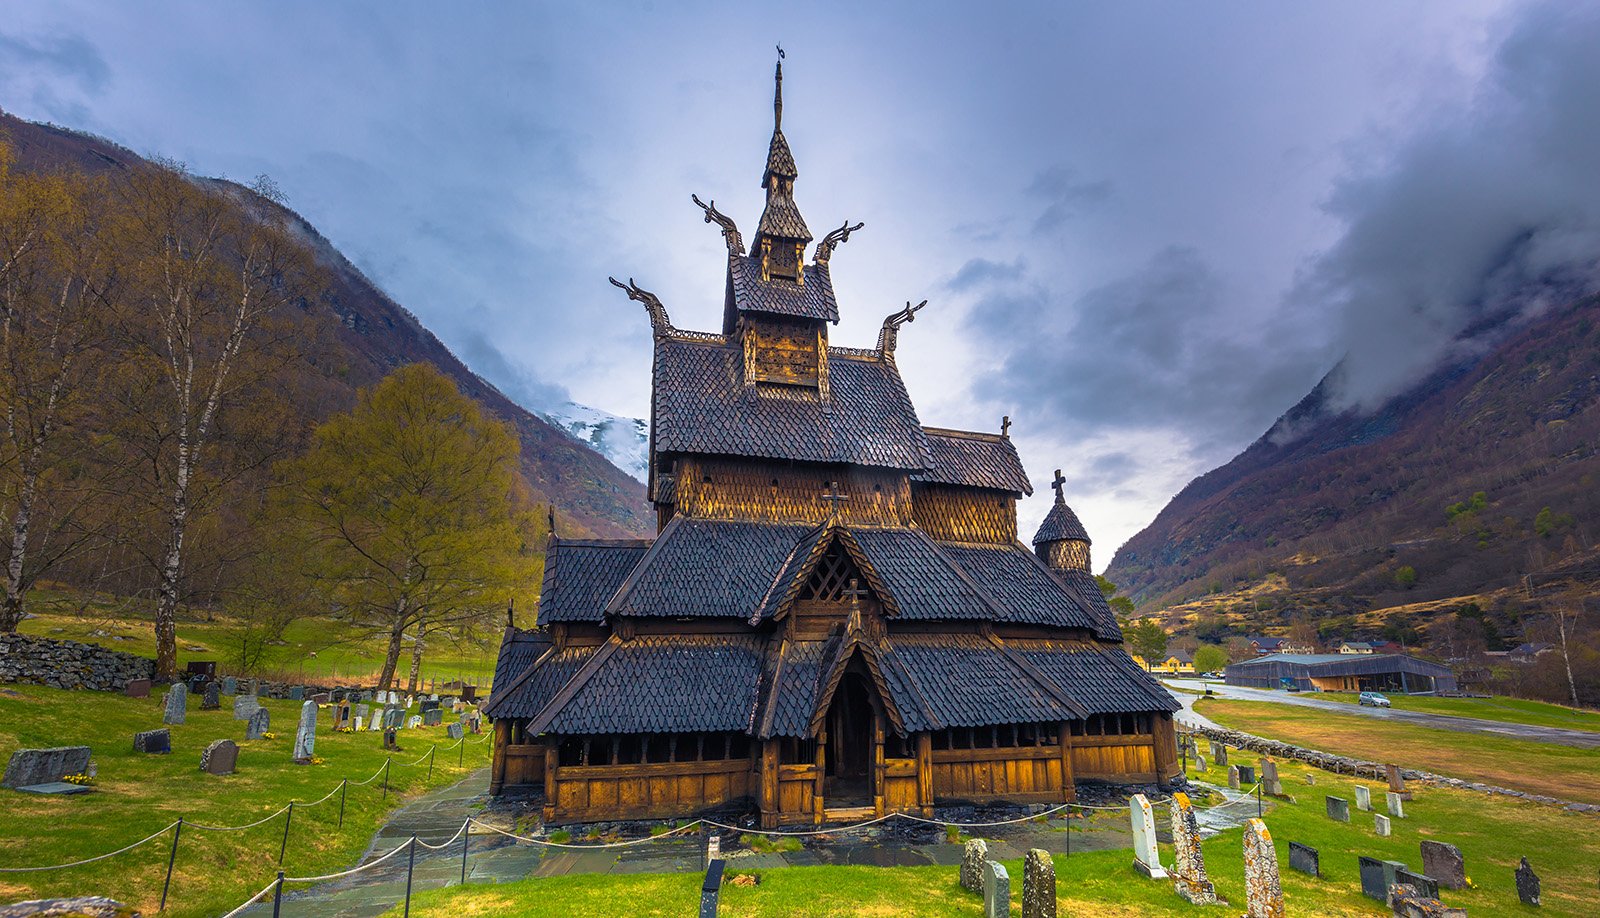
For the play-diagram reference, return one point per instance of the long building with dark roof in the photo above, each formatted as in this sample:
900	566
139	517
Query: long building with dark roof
836	617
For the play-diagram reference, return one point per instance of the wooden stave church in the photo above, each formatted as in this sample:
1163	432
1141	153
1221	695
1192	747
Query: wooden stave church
836	618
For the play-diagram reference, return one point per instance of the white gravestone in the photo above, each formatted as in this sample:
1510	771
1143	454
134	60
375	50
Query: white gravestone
305	739
1146	858
1363	798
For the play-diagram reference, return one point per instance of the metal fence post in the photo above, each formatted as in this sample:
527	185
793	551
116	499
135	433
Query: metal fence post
277	895
171	859
342	786
431	752
466	836
285	846
386	763
411	865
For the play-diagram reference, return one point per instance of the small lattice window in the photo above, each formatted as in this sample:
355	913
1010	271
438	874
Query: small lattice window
831	579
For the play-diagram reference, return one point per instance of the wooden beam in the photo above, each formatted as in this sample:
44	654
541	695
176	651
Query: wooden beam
1069	780
925	772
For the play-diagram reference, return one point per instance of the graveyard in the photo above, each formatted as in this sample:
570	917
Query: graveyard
1559	771
1491	833
134	794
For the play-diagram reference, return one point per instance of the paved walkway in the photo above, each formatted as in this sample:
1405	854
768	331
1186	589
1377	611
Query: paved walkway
1581	739
438	816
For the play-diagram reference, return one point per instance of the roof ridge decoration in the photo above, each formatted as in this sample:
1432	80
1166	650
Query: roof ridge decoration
730	231
659	322
889	334
831	241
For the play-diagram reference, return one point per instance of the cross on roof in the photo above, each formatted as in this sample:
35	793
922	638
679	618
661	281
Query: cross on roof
855	593
1057	483
853	624
834	499
1005	426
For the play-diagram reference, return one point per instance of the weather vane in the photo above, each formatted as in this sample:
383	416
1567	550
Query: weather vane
780	52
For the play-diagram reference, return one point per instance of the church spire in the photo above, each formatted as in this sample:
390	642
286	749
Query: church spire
781	237
1061	541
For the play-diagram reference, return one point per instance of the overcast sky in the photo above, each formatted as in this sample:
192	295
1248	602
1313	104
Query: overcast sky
1144	229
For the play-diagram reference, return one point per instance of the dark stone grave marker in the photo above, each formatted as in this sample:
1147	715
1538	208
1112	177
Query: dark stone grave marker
28	767
1424	884
155	742
1444	863
1338	808
220	757
137	688
1527	884
212	699
1305	859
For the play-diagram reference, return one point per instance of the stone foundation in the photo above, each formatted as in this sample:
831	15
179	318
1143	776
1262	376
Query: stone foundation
69	664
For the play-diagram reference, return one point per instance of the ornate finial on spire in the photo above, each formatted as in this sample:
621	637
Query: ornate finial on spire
1005	426
511	608
659	322
1061	498
829	242
730	231
777	95
889	335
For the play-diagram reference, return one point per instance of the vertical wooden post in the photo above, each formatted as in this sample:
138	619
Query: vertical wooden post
552	781
878	764
1069	780
1164	739
497	766
769	784
925	772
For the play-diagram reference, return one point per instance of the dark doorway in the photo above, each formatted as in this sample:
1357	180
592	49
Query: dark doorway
850	733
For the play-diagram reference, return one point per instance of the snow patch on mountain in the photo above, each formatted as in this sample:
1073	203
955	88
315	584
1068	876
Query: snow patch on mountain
624	441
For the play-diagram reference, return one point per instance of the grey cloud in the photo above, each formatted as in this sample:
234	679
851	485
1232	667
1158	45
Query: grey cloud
1067	195
35	68
981	271
1488	214
516	381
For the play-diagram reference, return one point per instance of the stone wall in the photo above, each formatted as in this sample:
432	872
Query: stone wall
69	664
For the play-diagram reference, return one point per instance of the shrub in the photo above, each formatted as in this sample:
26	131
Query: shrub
1406	576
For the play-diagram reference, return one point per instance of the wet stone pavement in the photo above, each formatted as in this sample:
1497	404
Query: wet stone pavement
437	817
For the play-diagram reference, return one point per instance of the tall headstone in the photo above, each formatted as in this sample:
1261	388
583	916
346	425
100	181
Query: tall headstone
973	857
341	715
230	685
361	710
177	704
360	724
1188	861
1271	785
1443	862
1377	876
1397	782
1305	859
1380	825
1219	752
212	699
155	742
1527	884
1199	763
996	891
432	717
297	693
1397	805
29	767
305	738
1338	809
1363	798
1247	776
1263	889
376	723
1038	885
220	757
1233	777
258	724
454	731
244	706
1146	857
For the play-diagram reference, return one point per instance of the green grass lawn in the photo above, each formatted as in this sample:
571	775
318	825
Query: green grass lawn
1540	768
314	649
137	794
1505	710
1492	832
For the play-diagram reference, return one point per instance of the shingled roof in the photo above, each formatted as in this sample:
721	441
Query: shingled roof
581	576
661	684
1104	680
791	697
523	690
701	405
975	460
964	680
747	292
1026	591
922	583
708	568
1060	524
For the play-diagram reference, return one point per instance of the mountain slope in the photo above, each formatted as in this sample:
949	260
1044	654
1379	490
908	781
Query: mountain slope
1371	509
374	335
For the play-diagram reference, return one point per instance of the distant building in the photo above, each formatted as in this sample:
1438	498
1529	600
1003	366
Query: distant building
1527	653
1357	647
1340	672
1177	662
1262	645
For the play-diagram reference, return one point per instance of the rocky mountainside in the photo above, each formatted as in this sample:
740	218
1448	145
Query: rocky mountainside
1481	473
374	335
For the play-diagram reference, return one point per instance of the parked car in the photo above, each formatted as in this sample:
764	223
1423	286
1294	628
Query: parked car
1374	700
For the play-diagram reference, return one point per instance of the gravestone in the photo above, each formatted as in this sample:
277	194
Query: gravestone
1199	763
469	693
244	706
154	742
1422	883
1311	779
361	710
1406	901
1377	876
711	888
1247	776
1270	783
1397	805
973	857
454	731
1363	798
996	891
1233	777
1443	862
1380	825
1527	884
137	688
305	738
432	717
177	704
1397	782
388	740
429	704
1219	752
230	685
1338	809
259	723
360	724
376	723
220	757
341	715
1038	885
28	767
1188	861
1146	858
393	718
414	721
297	693
212	699
1305	859
477	722
322	698
1263	889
